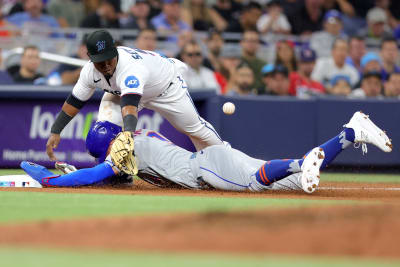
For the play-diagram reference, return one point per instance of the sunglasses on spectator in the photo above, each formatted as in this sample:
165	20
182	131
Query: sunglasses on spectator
194	54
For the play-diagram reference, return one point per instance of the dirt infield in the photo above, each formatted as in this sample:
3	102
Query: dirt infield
333	190
360	230
353	231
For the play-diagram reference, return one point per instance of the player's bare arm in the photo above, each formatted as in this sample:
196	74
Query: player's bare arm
70	108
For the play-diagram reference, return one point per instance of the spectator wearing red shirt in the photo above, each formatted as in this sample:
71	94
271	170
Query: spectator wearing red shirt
301	84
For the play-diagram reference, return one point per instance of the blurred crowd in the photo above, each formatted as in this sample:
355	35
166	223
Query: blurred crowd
324	47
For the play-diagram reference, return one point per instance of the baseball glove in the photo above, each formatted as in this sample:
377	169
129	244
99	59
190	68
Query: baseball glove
123	154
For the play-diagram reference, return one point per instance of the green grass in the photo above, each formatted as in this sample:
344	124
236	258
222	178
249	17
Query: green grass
16	257
33	206
360	178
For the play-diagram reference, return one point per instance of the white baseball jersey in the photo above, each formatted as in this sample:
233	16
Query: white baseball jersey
162	163
139	72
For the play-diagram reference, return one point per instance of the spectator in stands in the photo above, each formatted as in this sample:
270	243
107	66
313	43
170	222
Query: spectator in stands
3	23
155	8
344	6
326	68
214	43
138	18
5	78
340	85
390	56
106	16
248	18
266	72
356	51
201	17
386	6
69	13
371	86
184	37
377	27
285	55
30	62
228	10
392	86
353	23
243	80
250	45
147	39
33	16
308	18
230	59
277	82
301	84
69	74
371	62
322	41
274	21
197	76
169	21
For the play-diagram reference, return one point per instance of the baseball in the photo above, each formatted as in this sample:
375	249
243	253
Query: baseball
228	108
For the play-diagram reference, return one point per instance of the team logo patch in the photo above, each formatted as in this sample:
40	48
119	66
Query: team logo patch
132	82
101	45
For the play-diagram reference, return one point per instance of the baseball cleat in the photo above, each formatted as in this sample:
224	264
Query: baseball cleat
365	131
309	178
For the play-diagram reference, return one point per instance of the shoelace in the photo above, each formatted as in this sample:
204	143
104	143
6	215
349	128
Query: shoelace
363	147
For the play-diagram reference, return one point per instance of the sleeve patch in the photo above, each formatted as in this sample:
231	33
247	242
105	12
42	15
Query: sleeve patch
132	82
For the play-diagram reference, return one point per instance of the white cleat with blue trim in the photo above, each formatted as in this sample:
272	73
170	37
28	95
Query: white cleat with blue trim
365	131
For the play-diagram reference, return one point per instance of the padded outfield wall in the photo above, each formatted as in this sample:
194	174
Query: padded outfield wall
262	126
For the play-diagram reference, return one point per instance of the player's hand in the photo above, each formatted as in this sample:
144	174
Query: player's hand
122	153
52	143
65	167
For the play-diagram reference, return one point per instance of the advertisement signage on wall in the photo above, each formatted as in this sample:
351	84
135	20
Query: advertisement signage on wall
25	128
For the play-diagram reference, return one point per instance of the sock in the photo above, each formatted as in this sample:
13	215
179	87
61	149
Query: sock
277	169
334	146
81	177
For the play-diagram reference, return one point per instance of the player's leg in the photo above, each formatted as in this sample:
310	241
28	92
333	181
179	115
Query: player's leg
178	108
110	109
360	129
226	168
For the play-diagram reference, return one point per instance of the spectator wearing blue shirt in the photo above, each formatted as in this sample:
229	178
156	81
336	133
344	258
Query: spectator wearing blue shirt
33	16
169	21
389	55
357	50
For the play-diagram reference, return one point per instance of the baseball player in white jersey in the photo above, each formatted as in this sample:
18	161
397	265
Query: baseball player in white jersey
162	163
133	79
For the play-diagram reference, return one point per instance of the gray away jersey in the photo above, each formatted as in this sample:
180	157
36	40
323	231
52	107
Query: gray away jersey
162	163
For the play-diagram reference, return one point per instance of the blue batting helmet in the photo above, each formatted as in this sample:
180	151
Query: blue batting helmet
99	138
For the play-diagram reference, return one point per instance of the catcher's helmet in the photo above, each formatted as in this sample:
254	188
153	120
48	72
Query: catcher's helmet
99	138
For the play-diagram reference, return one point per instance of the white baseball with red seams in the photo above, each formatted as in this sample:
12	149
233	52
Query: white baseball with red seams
228	108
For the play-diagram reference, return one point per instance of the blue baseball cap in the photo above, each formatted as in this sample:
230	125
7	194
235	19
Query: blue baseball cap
332	15
368	57
307	55
340	77
268	69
